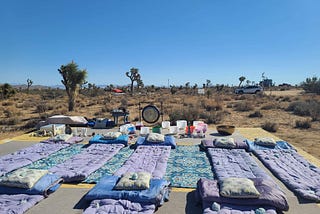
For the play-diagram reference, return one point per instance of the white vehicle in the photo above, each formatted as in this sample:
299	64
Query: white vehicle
249	89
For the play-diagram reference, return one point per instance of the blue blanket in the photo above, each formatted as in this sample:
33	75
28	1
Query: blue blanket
168	141
156	194
46	185
279	145
122	139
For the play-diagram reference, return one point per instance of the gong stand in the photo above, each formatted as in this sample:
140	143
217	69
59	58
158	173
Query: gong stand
150	113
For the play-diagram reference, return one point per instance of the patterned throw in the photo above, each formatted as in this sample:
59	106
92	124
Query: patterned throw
186	165
57	157
111	166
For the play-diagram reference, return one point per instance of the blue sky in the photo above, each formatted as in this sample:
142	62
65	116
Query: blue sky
167	40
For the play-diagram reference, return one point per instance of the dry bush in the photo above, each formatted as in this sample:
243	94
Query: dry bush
270	127
14	120
213	117
303	124
7	103
255	114
269	106
11	112
41	107
244	106
211	105
189	114
306	108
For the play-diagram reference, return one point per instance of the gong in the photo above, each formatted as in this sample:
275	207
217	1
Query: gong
150	114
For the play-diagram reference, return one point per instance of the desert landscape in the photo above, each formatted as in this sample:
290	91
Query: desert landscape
290	113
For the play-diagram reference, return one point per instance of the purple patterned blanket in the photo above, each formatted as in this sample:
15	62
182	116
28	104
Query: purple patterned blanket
80	166
18	204
270	194
119	206
236	209
234	163
294	171
238	163
27	155
152	159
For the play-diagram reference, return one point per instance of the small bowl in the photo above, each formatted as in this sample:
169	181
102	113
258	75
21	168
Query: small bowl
225	129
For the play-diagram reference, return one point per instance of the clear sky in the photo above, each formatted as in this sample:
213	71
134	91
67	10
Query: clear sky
175	41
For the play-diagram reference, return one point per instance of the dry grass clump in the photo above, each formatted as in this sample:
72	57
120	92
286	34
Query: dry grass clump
255	114
270	127
306	108
303	124
244	106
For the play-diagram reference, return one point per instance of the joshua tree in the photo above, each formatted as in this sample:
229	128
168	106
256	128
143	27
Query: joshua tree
241	79
29	84
208	83
134	77
73	78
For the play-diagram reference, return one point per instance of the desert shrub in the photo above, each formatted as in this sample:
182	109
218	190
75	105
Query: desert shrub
286	99
8	103
311	85
189	114
303	124
212	117
269	106
270	127
305	108
211	105
244	106
10	121
255	114
41	107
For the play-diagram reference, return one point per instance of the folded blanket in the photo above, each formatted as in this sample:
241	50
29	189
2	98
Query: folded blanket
270	194
46	185
22	178
279	145
104	189
122	139
294	171
19	203
240	144
168	141
119	206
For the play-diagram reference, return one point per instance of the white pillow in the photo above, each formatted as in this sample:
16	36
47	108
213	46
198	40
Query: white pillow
224	142
265	141
238	188
111	135
155	138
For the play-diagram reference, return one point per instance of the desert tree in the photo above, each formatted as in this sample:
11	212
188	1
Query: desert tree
241	79
311	85
29	84
73	78
134	76
208	83
6	91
